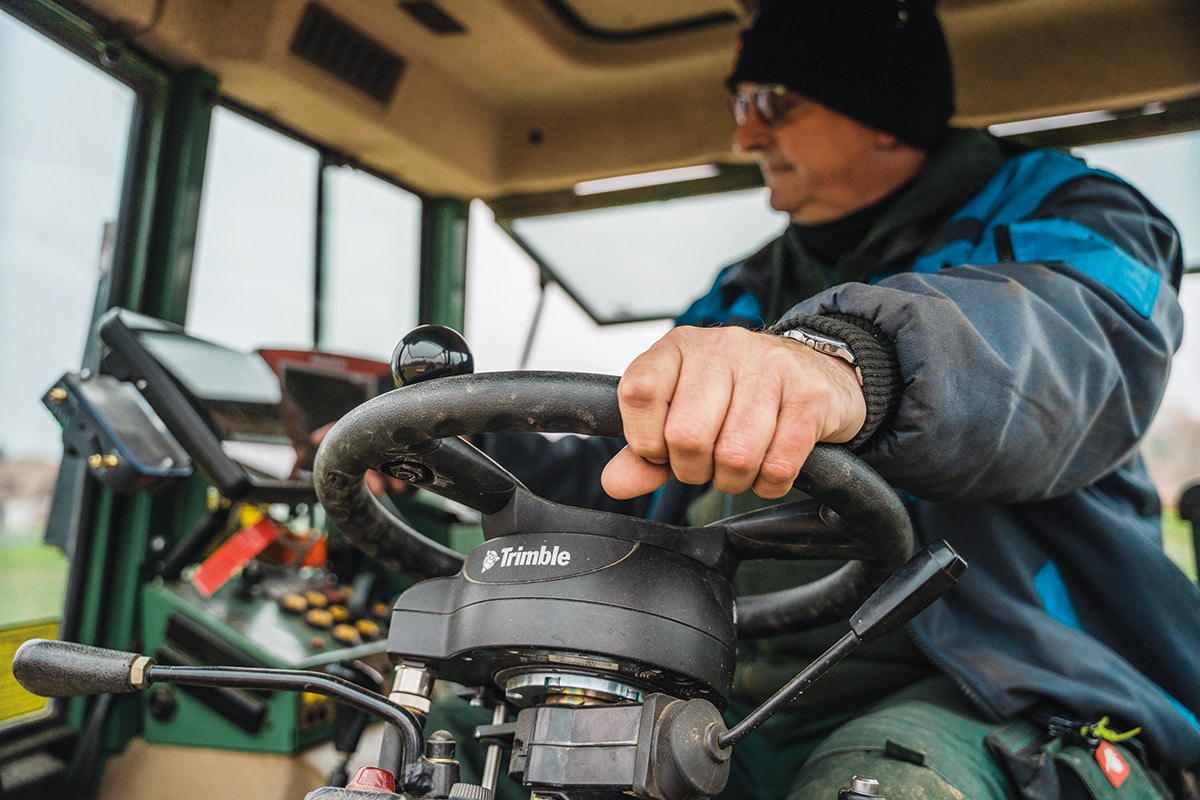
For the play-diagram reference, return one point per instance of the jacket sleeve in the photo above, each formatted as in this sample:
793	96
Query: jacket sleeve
1033	364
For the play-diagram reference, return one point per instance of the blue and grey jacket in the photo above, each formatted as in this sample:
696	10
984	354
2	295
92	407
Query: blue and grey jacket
1019	337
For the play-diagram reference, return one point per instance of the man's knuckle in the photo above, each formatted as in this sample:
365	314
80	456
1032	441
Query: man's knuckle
736	456
636	388
685	436
778	470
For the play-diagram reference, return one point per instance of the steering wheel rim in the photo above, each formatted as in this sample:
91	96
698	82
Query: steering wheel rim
414	432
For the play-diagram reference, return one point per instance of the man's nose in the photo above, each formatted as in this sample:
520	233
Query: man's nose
752	134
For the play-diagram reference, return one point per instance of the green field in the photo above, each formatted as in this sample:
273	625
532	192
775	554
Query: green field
33	579
1177	541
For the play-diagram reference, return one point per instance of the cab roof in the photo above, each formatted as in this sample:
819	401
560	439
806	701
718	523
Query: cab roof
489	98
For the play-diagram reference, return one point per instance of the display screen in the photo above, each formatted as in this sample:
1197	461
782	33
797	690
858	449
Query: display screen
321	397
319	388
246	419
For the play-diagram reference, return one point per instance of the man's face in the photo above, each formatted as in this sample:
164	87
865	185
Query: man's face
818	164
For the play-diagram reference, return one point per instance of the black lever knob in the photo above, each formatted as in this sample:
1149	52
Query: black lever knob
430	351
50	668
924	578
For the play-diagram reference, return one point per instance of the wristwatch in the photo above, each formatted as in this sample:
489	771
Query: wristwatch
829	345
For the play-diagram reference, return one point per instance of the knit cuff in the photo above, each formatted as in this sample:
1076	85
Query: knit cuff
876	355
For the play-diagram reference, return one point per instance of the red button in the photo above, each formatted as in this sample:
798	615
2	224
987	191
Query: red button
373	778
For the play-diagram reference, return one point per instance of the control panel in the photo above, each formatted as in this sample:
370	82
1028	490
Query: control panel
297	619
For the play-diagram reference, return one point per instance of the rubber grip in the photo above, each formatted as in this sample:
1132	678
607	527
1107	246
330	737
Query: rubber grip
925	578
51	668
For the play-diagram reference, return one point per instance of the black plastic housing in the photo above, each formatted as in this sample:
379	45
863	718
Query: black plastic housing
650	617
107	419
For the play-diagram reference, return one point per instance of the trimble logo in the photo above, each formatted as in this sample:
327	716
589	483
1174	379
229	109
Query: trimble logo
520	557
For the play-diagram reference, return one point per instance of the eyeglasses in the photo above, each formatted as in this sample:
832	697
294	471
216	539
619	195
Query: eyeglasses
773	101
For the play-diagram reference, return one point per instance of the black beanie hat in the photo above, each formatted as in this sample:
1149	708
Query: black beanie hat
882	62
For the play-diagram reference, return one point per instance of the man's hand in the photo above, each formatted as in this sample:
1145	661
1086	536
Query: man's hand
739	408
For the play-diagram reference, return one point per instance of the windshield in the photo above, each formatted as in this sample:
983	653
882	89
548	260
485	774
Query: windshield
670	250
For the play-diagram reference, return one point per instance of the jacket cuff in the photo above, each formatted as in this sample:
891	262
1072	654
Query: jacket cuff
876	355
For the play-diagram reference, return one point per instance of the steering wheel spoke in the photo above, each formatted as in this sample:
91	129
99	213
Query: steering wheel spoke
800	529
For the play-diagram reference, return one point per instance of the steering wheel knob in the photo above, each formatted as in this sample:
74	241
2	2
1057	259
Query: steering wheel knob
430	351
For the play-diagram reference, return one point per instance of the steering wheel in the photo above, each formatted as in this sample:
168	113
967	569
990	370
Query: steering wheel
414	433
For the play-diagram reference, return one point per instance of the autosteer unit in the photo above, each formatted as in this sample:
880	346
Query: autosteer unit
614	637
554	615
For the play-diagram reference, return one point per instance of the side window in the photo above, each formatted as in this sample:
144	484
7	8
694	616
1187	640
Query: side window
259	267
253	276
373	255
64	131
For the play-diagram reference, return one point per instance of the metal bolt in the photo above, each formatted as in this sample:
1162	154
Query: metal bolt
865	787
138	672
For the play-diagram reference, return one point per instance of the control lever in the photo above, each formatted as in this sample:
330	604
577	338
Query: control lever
51	668
920	581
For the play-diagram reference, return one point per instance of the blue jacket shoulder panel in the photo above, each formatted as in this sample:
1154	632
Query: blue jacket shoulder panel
1025	214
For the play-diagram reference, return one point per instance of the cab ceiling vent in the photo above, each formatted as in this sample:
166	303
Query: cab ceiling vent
432	17
332	44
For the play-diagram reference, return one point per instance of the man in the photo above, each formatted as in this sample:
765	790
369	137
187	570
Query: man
1001	327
